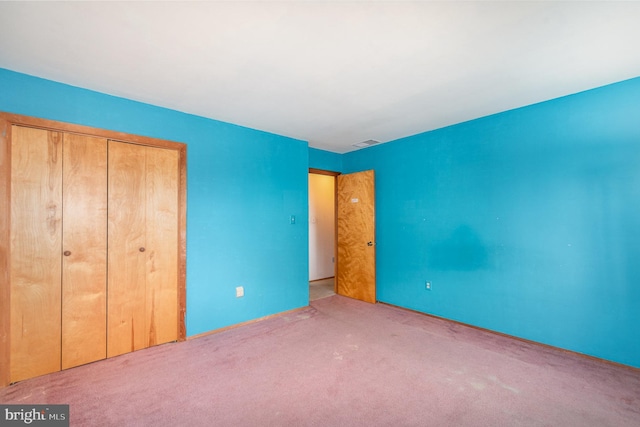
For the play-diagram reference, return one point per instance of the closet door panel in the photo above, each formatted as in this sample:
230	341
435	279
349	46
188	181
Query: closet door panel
35	245
162	180
126	318
84	261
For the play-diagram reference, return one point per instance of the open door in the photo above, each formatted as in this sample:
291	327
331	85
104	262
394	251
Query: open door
356	267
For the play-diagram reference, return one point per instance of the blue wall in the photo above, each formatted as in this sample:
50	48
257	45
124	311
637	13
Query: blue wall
325	160
527	222
242	187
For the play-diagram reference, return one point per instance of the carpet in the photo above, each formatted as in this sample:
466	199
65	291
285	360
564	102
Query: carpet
342	362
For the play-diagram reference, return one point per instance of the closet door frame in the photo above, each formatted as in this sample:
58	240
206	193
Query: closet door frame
7	120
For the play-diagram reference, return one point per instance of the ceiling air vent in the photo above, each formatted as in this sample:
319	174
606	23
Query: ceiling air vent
366	143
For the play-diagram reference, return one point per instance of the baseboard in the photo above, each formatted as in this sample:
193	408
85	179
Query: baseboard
248	322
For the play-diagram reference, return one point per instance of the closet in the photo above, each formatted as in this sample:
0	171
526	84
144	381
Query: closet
92	245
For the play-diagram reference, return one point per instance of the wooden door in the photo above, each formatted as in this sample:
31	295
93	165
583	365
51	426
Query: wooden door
84	245
161	237
52	202
126	284
35	246
356	267
143	244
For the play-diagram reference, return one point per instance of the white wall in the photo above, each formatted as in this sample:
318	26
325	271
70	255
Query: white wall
321	226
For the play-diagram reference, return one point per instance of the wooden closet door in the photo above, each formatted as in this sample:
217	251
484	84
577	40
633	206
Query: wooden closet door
126	288
143	242
161	235
36	240
84	261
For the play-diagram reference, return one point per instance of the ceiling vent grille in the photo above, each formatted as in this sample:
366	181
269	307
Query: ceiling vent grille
366	143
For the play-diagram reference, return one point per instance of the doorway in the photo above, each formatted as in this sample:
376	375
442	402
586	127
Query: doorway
342	241
322	233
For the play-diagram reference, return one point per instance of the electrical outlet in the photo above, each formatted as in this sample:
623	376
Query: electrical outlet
239	291
427	286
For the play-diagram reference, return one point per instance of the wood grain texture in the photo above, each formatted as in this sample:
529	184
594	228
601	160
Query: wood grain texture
162	179
181	148
7	122
143	214
126	324
182	244
356	266
5	215
84	270
36	240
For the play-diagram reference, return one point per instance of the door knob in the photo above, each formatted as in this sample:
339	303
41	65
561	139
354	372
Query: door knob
369	243
66	253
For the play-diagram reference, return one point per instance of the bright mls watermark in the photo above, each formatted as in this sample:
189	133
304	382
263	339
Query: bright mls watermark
34	415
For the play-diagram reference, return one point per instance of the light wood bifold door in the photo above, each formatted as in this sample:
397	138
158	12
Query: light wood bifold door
143	242
35	244
58	247
84	250
92	245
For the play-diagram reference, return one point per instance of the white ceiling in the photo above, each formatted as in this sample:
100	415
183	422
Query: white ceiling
331	73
